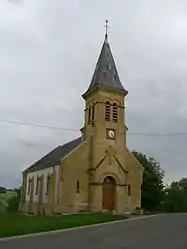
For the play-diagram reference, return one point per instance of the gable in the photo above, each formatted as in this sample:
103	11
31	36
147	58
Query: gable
54	157
132	160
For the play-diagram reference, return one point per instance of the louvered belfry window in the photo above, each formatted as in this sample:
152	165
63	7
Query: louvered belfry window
115	113
89	114
107	111
93	112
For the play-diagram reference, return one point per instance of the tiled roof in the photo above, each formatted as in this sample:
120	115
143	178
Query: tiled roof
54	156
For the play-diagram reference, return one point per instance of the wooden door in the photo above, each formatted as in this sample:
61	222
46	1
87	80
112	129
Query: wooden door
109	193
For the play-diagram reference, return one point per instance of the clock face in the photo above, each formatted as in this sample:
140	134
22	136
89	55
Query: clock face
111	133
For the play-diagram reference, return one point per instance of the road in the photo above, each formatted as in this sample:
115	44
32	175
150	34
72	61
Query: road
165	231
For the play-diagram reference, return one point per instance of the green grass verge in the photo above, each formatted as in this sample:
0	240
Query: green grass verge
18	224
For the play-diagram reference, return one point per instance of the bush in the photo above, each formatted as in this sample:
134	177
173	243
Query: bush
13	204
3	206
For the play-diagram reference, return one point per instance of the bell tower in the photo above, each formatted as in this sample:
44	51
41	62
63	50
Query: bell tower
110	164
104	104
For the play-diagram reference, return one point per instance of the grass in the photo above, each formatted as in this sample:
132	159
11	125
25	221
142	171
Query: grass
18	224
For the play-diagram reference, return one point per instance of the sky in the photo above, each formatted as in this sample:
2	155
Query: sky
48	52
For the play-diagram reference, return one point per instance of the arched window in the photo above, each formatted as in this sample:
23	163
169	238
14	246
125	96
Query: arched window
93	112
78	187
37	185
107	111
48	184
29	186
89	114
129	189
115	113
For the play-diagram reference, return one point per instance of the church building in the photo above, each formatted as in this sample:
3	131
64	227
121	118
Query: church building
96	171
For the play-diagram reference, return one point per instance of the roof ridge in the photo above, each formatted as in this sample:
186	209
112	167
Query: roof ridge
70	141
53	157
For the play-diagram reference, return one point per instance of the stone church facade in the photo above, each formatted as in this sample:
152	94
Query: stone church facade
96	171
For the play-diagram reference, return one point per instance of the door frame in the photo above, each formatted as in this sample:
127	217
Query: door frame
113	182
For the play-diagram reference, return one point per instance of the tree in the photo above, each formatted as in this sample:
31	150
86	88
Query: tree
13	203
3	206
18	193
2	189
152	187
175	197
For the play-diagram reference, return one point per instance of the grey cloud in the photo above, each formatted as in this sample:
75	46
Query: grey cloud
48	53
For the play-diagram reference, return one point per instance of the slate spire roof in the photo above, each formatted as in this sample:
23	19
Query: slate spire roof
105	73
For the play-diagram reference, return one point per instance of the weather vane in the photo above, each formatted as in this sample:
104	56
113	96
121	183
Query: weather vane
106	26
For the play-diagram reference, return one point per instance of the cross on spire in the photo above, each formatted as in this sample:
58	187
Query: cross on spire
106	27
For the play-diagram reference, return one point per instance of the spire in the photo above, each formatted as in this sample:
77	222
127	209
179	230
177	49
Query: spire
105	73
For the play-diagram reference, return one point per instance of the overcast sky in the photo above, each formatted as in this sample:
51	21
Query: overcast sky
48	51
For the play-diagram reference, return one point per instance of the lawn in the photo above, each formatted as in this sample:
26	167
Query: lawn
17	224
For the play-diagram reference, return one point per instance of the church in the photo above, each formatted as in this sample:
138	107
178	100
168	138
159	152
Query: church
96	171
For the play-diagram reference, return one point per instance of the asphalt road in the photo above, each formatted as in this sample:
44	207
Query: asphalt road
166	231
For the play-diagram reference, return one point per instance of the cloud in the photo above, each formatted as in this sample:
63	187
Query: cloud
48	53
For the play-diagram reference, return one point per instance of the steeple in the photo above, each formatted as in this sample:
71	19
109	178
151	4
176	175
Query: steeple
105	73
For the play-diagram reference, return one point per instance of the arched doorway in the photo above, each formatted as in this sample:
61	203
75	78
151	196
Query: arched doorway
109	193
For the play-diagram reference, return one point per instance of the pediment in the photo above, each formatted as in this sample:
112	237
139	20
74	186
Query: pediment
110	154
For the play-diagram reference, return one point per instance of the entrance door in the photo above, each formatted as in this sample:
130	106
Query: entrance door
109	193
